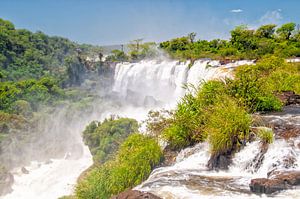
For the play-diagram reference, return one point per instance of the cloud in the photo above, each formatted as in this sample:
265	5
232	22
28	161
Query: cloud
271	17
236	10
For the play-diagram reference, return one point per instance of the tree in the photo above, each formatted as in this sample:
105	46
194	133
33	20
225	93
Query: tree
192	36
135	45
285	31
243	39
266	31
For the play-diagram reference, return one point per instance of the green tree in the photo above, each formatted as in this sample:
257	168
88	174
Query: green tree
286	30
266	31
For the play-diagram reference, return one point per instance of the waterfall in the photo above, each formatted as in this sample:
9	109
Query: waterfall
161	83
138	88
189	178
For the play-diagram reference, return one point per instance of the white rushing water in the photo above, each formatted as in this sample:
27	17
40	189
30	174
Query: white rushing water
189	177
142	86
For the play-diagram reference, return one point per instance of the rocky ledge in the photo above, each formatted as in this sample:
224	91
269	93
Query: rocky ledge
277	181
134	194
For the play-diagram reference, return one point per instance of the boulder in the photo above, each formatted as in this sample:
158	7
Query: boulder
289	97
277	181
24	170
219	161
134	194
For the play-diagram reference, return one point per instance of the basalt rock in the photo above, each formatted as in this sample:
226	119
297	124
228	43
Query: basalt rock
289	97
134	194
219	161
277	181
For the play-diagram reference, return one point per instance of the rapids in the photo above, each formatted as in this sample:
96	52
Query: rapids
189	177
139	87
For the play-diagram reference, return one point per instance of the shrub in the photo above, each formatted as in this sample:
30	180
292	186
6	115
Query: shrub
266	135
133	163
226	122
105	138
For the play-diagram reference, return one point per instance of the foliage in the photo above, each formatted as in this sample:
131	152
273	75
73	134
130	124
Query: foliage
117	56
266	135
244	43
226	122
219	110
104	138
188	121
15	96
137	156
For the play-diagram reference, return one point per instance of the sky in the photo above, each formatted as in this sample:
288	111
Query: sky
111	22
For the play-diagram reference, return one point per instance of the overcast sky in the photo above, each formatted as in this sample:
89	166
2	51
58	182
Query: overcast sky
105	22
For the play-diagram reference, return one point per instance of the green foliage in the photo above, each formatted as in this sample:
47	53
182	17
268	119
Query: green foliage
117	56
244	43
15	96
218	110
133	163
186	126
104	138
266	31
226	122
266	135
251	87
285	31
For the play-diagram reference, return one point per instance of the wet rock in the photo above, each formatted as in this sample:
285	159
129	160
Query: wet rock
219	161
169	157
222	160
277	181
255	164
6	181
24	170
291	132
48	161
133	194
289	162
289	97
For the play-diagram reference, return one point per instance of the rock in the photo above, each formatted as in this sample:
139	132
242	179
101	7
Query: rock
6	181
219	161
222	160
133	194
290	132
277	181
48	161
255	164
169	156
24	170
289	97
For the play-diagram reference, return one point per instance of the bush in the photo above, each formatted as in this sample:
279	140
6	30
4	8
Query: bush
137	156
105	138
226	122
266	135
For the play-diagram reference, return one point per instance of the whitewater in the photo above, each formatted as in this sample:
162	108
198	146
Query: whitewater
140	87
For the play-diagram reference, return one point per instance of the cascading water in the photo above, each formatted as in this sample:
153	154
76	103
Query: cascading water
141	87
160	83
189	177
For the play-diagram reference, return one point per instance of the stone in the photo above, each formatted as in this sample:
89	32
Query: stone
24	170
6	181
289	97
277	181
219	161
134	194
